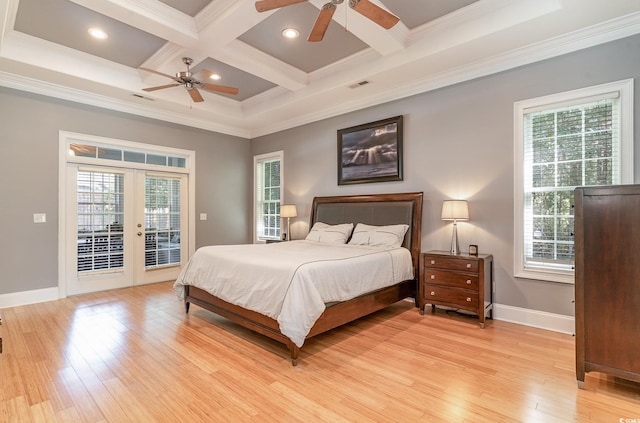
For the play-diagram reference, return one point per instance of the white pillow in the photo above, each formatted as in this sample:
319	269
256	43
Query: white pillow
379	236
330	234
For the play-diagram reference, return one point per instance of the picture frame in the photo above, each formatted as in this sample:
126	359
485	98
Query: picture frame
371	152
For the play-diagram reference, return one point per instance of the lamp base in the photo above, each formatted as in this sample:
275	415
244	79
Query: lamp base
455	248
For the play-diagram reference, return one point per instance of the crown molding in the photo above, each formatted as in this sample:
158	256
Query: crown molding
21	83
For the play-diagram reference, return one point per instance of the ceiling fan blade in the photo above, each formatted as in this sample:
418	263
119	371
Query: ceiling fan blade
220	88
160	87
375	13
322	22
264	5
195	95
160	73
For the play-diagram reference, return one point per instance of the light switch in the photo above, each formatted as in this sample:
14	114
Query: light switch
39	218
203	216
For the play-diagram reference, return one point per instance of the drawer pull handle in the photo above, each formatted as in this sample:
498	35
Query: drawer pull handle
468	281
433	262
468	299
433	292
468	265
433	276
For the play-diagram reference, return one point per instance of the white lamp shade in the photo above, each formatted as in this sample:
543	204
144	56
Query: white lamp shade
455	210
288	210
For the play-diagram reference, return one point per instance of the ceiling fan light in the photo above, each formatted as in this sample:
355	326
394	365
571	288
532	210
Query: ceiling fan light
215	76
98	33
290	33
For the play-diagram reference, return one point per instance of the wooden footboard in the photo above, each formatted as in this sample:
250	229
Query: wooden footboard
334	315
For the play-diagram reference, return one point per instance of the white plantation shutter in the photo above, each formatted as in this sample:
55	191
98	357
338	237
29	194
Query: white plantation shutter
572	142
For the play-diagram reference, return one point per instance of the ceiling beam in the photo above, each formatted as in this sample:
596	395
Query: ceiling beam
151	16
220	24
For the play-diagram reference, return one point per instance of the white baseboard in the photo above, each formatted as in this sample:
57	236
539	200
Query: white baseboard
15	299
537	319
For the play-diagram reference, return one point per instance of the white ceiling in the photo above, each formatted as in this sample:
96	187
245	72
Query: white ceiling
45	48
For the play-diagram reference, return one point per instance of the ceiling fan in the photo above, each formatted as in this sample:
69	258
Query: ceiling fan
364	7
190	83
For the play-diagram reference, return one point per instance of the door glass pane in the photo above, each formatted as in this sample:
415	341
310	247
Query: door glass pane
162	221
100	221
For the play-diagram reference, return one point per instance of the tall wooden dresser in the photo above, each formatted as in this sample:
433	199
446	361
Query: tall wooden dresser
607	247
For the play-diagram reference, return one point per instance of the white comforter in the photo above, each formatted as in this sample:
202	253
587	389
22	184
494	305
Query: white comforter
291	281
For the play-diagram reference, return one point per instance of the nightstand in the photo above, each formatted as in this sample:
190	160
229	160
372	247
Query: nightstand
461	282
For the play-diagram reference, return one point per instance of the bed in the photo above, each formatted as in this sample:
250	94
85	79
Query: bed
378	210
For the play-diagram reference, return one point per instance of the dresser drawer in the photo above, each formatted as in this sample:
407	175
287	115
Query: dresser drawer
453	279
451	263
456	296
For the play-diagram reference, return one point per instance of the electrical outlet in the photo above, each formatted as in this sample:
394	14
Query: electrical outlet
39	218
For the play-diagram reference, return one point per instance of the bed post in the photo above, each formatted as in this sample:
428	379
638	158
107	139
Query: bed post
295	352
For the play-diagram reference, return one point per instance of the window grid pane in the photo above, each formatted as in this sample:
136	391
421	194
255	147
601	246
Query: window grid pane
123	155
162	221
100	203
268	191
564	149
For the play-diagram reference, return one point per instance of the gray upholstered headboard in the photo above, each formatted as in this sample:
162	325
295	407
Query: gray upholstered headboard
380	209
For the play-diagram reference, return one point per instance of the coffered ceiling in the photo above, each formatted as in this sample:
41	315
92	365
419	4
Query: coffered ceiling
45	48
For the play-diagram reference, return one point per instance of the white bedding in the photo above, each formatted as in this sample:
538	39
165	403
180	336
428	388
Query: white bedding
291	281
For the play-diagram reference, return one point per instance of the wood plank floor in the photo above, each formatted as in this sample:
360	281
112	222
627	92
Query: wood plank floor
132	355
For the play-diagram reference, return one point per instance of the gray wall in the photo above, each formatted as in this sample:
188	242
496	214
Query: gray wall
458	143
29	126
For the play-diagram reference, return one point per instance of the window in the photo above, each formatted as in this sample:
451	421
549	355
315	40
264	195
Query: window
117	153
268	189
563	141
162	218
100	197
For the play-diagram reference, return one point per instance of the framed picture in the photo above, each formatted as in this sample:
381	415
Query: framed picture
371	152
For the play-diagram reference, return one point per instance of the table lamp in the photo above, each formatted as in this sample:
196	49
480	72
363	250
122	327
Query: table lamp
288	211
455	210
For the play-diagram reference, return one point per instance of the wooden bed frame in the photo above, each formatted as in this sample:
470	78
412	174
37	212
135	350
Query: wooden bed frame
380	209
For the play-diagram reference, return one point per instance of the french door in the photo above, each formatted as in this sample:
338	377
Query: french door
125	227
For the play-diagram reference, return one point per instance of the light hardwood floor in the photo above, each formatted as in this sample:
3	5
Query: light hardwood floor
132	355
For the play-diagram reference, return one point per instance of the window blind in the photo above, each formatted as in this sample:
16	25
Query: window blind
565	147
100	203
162	221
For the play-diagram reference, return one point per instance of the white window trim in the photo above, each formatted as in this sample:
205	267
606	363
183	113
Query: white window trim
583	95
66	137
276	155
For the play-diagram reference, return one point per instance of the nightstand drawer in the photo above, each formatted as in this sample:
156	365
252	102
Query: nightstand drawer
453	279
452	263
462	297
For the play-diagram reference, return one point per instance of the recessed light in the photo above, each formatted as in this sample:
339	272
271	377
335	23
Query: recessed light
98	33
290	33
215	76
